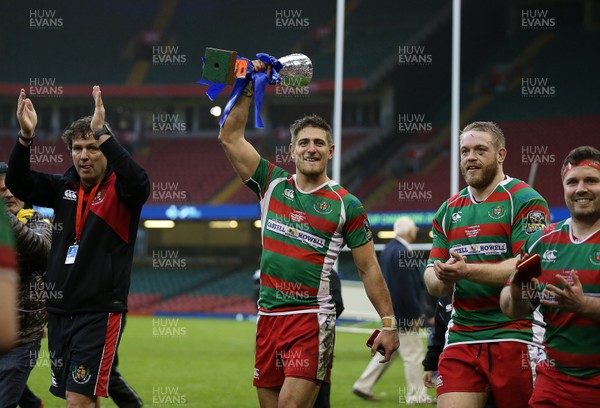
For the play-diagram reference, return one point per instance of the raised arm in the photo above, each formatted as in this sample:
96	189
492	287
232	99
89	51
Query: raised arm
27	185
133	184
27	117
242	155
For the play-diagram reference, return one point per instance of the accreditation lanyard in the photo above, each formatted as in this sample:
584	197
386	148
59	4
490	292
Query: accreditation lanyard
81	216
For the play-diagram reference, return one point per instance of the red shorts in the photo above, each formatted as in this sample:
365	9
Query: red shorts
297	345
500	367
553	388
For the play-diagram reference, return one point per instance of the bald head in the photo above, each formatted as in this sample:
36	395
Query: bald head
406	229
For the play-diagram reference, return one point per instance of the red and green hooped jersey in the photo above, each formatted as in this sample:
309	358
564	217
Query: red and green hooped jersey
572	341
490	231
7	255
302	235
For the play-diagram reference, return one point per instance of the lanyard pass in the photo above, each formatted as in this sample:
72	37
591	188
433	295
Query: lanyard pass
81	216
72	254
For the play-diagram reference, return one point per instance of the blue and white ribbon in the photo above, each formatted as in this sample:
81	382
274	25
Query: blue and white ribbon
259	82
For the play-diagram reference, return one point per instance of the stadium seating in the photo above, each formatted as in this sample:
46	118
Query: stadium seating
57	50
547	141
528	123
423	192
191	164
189	169
191	291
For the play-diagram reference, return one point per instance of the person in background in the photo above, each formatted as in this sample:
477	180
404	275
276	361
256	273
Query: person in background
119	389
405	282
33	237
436	341
435	345
29	399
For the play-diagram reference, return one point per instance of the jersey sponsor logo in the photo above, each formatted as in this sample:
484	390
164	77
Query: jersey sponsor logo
595	257
549	255
472	230
298	216
534	221
456	217
70	195
295	234
497	212
99	197
323	207
288	193
483	248
81	374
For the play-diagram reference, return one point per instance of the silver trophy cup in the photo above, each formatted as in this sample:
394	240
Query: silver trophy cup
222	66
297	70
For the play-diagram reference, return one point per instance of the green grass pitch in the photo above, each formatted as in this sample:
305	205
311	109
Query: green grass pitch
179	362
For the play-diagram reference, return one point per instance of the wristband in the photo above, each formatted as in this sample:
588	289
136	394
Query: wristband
393	326
26	139
104	130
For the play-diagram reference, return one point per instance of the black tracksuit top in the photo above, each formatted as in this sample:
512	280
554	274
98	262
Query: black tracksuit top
99	279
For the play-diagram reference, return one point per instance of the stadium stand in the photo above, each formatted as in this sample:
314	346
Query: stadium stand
189	163
544	123
191	291
379	163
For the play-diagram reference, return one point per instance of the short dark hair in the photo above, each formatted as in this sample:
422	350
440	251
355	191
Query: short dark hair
578	154
311	121
79	129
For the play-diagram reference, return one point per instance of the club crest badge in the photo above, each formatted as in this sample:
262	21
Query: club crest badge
497	212
595	257
81	374
98	198
323	207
